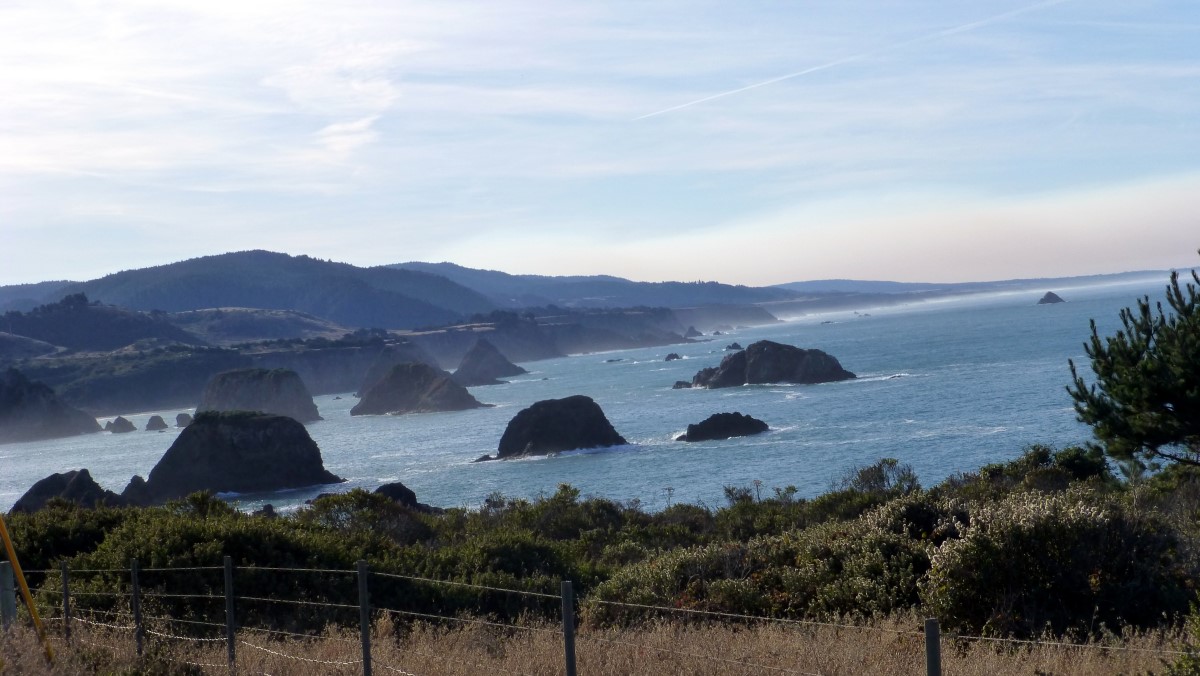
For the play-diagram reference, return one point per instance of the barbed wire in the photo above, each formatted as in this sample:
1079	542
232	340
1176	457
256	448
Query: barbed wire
462	620
160	618
105	624
178	570
392	669
471	586
195	664
297	570
290	634
1063	644
696	656
185	638
758	618
323	604
109	594
301	659
163	595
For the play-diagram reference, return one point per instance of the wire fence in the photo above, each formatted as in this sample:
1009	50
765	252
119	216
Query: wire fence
156	608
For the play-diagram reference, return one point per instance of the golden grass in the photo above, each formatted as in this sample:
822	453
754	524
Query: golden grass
888	647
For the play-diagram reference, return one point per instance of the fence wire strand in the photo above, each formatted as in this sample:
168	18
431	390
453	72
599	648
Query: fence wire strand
321	604
758	618
469	586
461	620
1062	644
301	659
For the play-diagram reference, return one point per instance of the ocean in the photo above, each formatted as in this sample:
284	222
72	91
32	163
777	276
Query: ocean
945	386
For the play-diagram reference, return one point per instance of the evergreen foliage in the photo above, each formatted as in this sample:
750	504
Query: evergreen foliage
1144	405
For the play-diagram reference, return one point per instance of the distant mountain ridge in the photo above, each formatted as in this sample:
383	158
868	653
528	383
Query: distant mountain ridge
342	293
848	286
596	291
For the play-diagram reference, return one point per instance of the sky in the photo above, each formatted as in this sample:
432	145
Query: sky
750	142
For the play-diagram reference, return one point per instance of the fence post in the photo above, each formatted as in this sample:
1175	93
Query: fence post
364	616
568	619
66	598
230	627
135	602
933	648
8	595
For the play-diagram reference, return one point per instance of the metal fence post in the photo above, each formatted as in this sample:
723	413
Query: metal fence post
135	603
364	616
8	595
568	619
933	648
230	627
66	601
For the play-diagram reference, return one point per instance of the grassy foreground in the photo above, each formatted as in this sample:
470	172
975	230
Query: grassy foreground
884	647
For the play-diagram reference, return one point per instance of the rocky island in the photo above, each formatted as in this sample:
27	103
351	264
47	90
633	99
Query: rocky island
555	425
723	426
277	391
769	362
483	364
415	388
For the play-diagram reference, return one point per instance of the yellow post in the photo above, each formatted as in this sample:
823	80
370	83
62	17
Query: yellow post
37	621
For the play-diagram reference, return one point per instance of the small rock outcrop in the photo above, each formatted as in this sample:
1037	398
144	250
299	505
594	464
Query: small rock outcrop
277	391
183	419
233	451
156	423
484	365
30	410
692	333
1050	298
76	486
734	346
555	425
399	493
673	356
415	388
769	362
119	425
723	426
681	385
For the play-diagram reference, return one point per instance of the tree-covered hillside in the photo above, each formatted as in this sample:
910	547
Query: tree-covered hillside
78	324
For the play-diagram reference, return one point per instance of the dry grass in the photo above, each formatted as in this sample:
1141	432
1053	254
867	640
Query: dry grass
888	647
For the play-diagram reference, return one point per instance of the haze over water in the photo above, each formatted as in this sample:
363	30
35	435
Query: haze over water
944	386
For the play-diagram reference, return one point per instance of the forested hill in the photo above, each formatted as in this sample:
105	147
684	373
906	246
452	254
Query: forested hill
345	294
598	291
77	324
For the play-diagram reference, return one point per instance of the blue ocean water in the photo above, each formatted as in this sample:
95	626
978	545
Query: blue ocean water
944	386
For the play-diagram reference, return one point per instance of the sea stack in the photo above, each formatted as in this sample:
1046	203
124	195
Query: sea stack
1050	298
555	425
769	362
277	391
484	365
238	451
415	388
723	426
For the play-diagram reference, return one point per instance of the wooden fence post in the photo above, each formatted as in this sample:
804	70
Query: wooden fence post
364	616
66	601
933	648
135	602
230	626
568	619
8	595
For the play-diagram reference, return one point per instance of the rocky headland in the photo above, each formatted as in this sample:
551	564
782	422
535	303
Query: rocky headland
30	410
769	362
278	391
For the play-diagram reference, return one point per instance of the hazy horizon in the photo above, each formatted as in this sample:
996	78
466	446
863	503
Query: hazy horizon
752	144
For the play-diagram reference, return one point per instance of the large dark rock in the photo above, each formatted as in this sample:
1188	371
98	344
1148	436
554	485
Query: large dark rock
156	423
484	365
238	451
119	425
76	486
30	410
1049	298
673	356
770	362
183	419
399	493
723	426
277	391
415	388
555	425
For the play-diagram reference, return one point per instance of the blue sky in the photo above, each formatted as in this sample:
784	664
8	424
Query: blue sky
751	142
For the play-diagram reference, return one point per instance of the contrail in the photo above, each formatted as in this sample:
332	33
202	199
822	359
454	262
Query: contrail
865	55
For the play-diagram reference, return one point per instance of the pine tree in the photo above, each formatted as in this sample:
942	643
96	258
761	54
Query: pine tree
1144	405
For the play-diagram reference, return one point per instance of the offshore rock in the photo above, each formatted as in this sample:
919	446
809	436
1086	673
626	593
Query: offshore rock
484	365
399	353
76	486
1050	298
673	356
692	333
30	410
769	362
183	419
156	423
554	425
277	391
119	425
415	388
723	426
234	451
